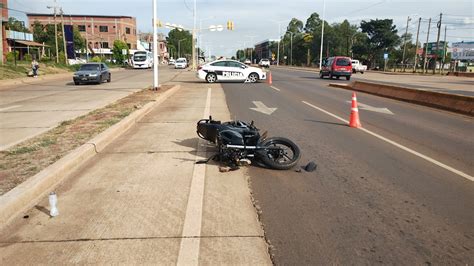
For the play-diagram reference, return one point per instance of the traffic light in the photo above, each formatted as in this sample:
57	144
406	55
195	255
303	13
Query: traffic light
230	25
159	24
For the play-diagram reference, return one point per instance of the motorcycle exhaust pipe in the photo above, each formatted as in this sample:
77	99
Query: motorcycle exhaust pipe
241	147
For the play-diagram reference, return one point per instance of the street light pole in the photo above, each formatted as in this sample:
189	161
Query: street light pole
279	40
155	49
322	37
179	47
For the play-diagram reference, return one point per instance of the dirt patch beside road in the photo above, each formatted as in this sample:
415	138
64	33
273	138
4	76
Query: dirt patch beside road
30	157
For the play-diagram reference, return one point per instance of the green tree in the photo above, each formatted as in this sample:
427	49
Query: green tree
382	37
239	55
16	25
45	34
174	37
117	51
79	42
313	23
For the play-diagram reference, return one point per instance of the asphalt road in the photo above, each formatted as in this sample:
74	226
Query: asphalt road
369	201
31	109
445	84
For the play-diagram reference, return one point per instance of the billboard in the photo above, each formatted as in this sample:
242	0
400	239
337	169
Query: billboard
463	51
433	51
69	34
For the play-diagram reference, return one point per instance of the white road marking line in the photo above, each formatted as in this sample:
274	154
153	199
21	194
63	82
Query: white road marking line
275	88
427	158
190	241
9	107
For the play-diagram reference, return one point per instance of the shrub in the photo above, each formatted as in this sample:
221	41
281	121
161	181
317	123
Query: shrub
96	59
27	57
11	56
62	58
45	59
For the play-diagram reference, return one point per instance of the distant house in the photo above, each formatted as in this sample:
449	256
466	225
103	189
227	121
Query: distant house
20	42
23	43
145	42
3	23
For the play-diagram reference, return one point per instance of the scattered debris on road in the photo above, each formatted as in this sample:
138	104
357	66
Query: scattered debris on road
310	167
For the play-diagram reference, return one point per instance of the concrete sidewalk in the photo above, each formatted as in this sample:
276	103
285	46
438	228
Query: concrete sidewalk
145	201
445	84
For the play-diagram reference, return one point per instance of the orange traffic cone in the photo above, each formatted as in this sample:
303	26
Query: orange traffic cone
354	120
269	79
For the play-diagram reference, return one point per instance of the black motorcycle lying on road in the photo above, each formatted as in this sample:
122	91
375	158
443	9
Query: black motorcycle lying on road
239	142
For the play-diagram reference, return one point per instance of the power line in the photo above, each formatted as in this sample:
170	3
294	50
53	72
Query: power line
365	8
449	15
16	10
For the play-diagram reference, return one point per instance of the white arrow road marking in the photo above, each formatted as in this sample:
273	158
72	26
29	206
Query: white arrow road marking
9	107
262	108
373	109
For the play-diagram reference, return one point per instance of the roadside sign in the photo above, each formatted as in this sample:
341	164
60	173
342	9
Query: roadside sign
385	56
124	51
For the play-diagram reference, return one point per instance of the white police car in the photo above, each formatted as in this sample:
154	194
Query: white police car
230	70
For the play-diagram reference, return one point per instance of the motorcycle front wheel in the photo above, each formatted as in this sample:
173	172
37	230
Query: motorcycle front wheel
279	153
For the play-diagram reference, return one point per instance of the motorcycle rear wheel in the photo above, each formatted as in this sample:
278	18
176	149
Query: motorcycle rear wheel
279	153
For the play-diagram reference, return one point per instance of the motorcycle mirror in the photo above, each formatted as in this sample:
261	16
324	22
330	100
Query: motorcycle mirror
251	123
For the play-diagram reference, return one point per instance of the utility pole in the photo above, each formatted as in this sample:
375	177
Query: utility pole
416	49
194	54
155	49
444	49
426	46
56	35
437	41
64	36
1	35
405	45
87	46
55	30
322	37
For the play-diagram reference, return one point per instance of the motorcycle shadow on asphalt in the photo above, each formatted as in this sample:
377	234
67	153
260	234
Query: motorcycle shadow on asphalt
211	150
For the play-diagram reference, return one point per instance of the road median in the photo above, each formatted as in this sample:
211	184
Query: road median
449	102
28	193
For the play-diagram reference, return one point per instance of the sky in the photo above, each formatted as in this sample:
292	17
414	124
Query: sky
258	20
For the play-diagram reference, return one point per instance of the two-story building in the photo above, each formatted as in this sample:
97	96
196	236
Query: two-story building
99	31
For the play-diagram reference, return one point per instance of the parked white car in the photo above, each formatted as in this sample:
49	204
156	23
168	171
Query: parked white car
171	62
181	63
230	70
358	67
264	63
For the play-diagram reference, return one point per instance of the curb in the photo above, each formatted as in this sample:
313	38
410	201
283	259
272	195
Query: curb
27	194
449	102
